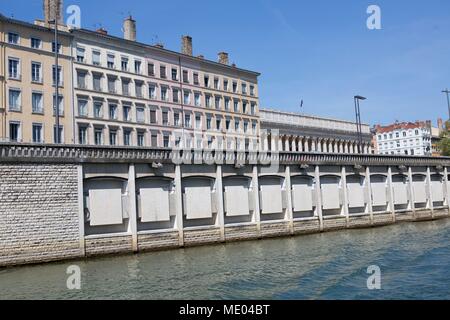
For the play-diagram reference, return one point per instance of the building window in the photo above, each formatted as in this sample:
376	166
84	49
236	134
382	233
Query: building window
112	84
185	76
82	135
196	81
253	108
60	105
208	101
112	137
98	109
125	87
206	79
162	72
140	139
151	69
227	104
244	107
254	127
138	89
13	38
14	68
58	134
186	98
97	82
166	141
81	55
152	92
236	106
227	124
236	125
98	136
404	134
124	64
244	88
81	79
14	131
197	99
111	61
54	47
245	126
36	74
175	97
137	67
154	140
57	75
187	121
140	115
417	132
165	118
225	84
216	84
127	137
14	99
218	124
234	87
96	58
164	96
37	133
208	123
198	121
113	112
36	102
252	90
153	118
174	74
82	108
217	102
176	119
126	113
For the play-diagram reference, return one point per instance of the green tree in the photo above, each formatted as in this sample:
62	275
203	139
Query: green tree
444	143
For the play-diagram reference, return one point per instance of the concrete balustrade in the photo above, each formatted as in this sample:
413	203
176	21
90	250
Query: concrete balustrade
145	199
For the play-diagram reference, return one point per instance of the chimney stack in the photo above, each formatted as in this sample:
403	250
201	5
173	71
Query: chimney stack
102	31
223	58
129	29
186	45
52	6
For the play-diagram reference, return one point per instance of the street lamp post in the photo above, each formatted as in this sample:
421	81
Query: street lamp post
446	91
358	121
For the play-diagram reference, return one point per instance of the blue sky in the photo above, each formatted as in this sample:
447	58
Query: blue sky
317	50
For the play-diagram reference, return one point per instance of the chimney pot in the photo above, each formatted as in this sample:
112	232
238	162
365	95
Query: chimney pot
102	31
186	45
129	29
49	10
223	58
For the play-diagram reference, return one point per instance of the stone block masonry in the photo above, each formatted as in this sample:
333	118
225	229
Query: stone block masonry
38	213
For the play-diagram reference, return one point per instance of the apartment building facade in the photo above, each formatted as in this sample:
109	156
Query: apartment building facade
27	83
405	138
133	94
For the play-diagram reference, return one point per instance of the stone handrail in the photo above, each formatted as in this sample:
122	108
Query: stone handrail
14	152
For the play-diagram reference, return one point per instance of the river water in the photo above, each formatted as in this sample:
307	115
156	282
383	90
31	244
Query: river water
414	259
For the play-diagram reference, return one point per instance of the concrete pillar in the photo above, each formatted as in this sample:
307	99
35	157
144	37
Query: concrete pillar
330	146
345	193
280	143
346	148
430	192
391	194
307	144
266	143
133	206
300	144
289	213
318	197
324	146
411	192
273	142
313	145
319	145
336	146
341	147
286	144
255	183
179	202
81	210
220	209
369	194
350	148
294	147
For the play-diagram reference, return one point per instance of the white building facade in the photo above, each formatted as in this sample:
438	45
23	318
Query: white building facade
404	138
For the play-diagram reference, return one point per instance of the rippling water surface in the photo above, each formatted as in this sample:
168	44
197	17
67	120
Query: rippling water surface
414	261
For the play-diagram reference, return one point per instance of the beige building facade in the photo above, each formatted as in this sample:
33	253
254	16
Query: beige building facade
27	79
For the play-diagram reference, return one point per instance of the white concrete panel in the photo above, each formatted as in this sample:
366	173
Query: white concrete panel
198	202
236	201
379	194
105	207
154	205
271	199
420	195
330	196
400	193
302	198
355	195
437	190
